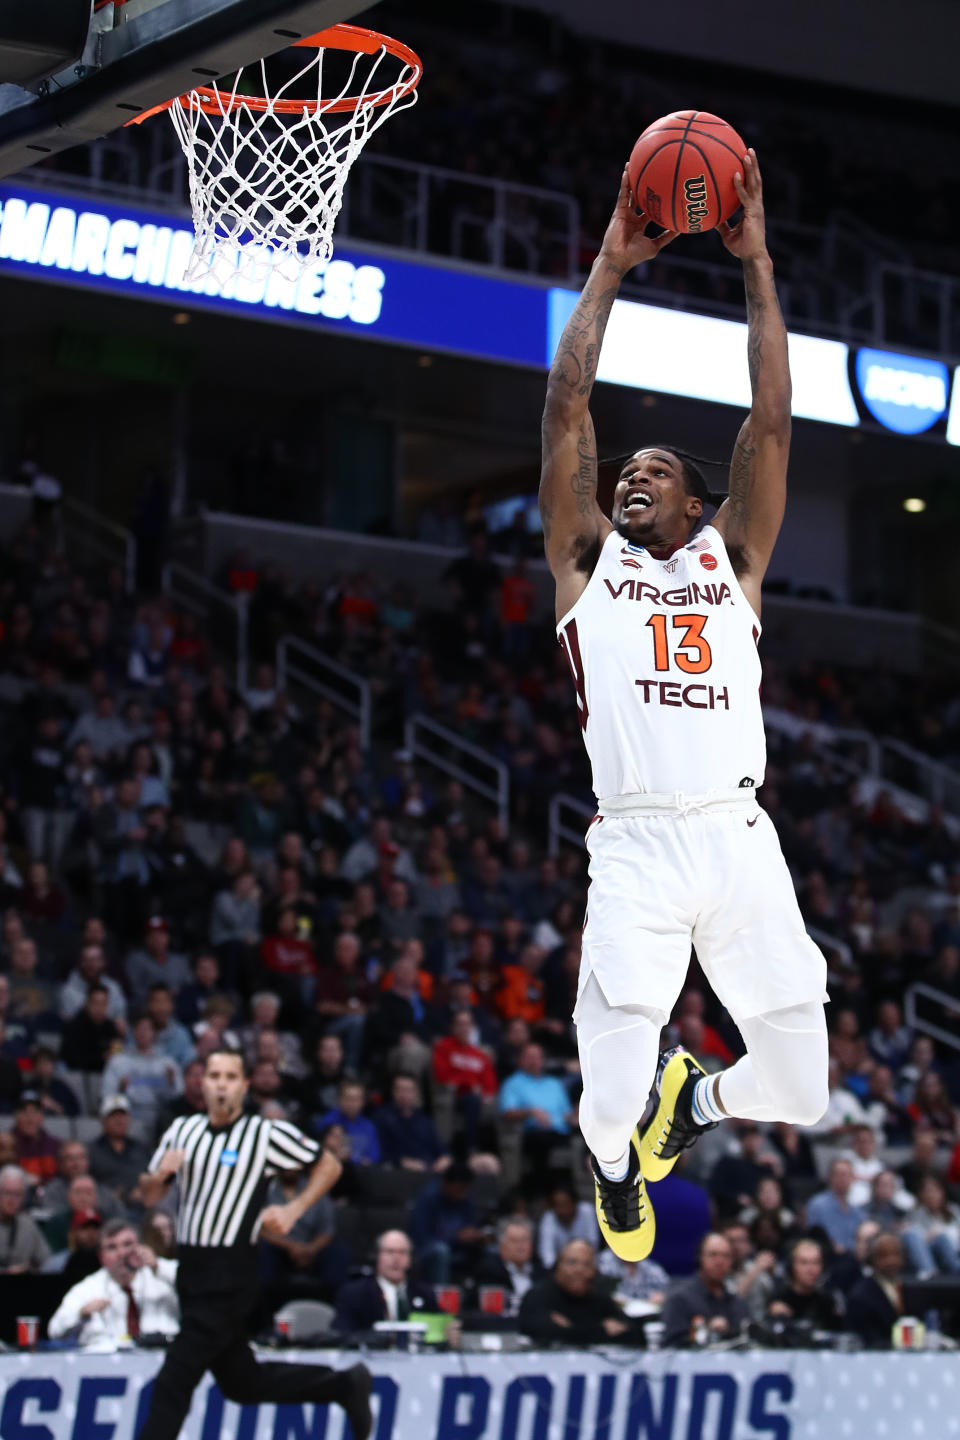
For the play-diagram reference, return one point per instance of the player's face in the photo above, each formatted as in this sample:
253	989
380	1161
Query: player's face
651	505
224	1087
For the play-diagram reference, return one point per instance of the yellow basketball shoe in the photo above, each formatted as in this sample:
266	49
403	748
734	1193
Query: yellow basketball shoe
673	1127
624	1211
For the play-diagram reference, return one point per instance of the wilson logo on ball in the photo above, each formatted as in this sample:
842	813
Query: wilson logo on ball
695	200
653	206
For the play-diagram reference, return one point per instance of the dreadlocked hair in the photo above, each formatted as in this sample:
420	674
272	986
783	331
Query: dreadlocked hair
692	474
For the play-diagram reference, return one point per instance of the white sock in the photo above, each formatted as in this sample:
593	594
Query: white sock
703	1105
618	1170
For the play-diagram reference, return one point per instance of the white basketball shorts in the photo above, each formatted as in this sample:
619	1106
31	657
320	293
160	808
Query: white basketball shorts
712	878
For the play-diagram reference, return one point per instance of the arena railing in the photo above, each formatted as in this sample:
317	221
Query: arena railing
299	662
916	1020
912	778
91	533
458	758
226	615
557	827
839	278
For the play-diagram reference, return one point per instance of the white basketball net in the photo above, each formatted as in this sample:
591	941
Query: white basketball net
266	185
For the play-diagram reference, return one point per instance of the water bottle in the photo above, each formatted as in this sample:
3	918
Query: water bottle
932	1321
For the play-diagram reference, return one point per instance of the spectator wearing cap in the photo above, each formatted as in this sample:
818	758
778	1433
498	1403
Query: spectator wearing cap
22	1247
170	1037
79	1257
36	1151
131	1295
364	855
154	962
91	1037
116	1161
148	1079
91	969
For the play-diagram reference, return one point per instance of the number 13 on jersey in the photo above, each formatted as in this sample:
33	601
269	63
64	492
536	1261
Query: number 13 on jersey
692	653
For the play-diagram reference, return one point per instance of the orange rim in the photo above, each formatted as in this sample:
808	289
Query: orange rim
213	101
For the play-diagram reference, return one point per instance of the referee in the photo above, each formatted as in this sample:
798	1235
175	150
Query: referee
224	1160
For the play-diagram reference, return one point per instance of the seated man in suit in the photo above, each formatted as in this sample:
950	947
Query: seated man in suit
876	1302
513	1269
386	1294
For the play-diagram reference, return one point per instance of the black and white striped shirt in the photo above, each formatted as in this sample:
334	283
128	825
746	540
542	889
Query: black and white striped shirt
225	1172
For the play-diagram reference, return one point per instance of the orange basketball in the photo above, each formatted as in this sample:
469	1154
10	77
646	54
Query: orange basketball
682	168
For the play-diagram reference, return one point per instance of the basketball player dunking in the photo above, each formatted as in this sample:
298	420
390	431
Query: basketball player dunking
658	613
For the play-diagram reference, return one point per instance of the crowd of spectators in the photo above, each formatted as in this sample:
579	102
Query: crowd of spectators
184	866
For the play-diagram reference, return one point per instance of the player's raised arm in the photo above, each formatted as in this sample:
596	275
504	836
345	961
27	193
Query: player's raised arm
750	520
573	523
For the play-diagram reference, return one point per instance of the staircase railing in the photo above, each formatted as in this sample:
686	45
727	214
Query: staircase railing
458	758
315	671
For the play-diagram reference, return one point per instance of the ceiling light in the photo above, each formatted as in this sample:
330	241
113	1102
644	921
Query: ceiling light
914	505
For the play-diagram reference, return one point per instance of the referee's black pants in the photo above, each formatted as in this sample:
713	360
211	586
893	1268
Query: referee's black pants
213	1337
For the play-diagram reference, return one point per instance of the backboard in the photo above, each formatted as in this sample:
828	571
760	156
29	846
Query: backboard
143	52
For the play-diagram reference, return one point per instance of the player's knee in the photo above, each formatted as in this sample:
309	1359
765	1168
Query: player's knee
803	1105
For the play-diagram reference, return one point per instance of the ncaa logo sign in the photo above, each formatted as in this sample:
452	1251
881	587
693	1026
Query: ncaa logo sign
906	393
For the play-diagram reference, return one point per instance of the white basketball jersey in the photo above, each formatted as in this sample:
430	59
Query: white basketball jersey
664	660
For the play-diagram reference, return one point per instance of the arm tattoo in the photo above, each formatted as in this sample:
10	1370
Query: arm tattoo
575	365
756	305
741	476
583	481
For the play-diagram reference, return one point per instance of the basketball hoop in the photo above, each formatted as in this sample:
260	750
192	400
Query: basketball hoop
267	171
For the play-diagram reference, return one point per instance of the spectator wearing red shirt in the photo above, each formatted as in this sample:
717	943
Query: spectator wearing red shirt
289	957
466	1070
37	1151
521	995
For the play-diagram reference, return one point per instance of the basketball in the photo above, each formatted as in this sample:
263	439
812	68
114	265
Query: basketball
682	168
